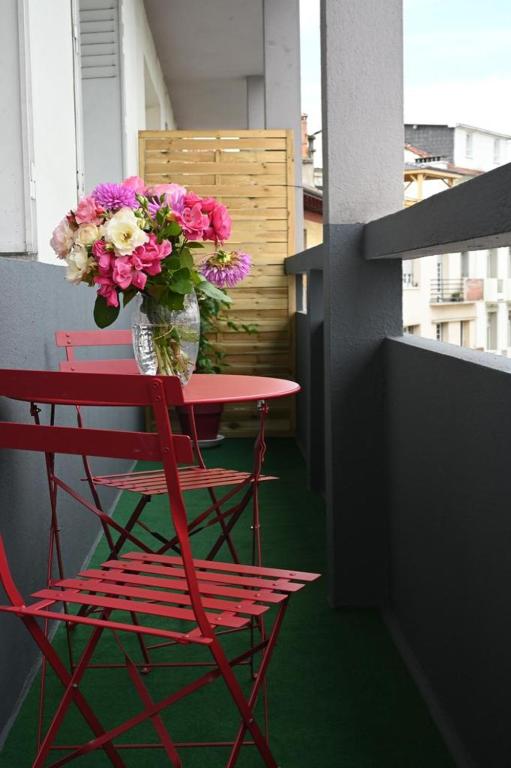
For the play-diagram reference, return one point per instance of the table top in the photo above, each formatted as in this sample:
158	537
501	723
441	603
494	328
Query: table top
203	388
206	388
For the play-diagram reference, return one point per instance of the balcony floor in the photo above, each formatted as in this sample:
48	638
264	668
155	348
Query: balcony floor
340	694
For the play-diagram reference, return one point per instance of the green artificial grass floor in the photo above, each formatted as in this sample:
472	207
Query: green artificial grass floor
340	695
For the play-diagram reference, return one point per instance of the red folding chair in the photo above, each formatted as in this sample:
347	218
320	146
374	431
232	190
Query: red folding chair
195	601
152	483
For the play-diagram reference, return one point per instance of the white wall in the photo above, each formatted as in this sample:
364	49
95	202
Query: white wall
137	51
12	188
53	111
482	149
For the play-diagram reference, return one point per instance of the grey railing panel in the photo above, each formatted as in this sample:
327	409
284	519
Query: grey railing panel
448	442
312	258
473	215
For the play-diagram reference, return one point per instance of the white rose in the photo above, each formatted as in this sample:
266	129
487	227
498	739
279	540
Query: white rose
62	239
123	231
86	234
78	264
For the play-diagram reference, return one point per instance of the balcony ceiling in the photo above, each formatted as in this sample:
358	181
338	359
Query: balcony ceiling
197	40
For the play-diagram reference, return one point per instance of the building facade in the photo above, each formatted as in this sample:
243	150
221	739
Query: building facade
461	144
460	298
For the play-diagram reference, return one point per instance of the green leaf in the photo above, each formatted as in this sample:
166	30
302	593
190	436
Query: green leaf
173	300
213	292
181	281
173	229
128	295
173	263
194	244
104	315
186	259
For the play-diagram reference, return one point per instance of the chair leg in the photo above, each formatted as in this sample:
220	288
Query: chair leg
259	681
245	707
158	724
72	692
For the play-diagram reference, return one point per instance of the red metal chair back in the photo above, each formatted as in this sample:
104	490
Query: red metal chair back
89	389
70	340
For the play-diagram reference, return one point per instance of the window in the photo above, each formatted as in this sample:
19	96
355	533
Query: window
496	151
469	144
441	331
491	331
414	330
493	262
509	328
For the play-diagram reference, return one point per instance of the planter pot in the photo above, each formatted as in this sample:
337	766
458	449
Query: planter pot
166	342
207	421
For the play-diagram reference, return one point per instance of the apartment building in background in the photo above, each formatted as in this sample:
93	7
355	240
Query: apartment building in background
460	298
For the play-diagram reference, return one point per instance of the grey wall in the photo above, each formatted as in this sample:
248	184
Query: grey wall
36	301
435	139
448	459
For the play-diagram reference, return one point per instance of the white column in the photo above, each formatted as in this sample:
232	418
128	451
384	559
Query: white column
282	83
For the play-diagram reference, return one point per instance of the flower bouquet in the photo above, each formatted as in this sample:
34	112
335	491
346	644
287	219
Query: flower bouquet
130	240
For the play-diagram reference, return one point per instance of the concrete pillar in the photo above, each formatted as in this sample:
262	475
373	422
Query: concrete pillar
255	102
363	171
282	82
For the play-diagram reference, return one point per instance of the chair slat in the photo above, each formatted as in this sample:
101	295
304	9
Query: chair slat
139	446
140	593
93	338
64	388
134	606
122	365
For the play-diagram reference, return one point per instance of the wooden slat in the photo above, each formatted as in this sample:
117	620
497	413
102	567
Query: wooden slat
268	144
252	173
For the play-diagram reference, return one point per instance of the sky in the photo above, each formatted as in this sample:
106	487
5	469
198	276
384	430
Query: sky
457	62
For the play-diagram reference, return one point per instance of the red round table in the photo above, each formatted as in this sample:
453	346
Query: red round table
206	388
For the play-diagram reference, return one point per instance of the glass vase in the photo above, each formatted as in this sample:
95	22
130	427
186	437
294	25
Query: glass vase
166	341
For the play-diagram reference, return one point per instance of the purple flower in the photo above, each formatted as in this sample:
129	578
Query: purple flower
226	269
174	195
115	196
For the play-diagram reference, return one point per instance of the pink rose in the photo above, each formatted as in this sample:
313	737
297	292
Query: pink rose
88	212
220	223
191	198
136	184
122	272
103	257
138	280
193	222
209	204
108	290
148	257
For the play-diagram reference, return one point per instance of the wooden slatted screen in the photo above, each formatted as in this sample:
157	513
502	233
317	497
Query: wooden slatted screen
252	173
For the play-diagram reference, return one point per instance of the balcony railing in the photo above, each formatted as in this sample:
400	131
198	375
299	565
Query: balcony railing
446	291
